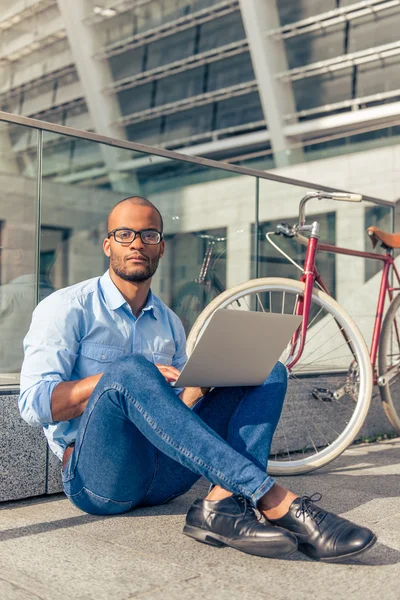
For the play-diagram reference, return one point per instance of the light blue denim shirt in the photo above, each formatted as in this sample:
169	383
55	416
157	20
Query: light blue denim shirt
76	332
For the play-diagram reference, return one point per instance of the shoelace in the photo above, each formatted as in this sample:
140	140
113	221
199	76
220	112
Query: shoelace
249	507
312	511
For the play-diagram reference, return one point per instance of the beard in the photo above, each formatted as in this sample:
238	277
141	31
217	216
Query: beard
121	269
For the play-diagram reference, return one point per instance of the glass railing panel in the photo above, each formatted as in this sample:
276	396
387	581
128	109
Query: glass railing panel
18	244
208	213
207	216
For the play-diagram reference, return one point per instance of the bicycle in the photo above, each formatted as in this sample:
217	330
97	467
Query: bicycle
331	371
196	294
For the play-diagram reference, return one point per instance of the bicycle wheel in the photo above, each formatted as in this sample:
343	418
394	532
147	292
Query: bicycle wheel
389	359
329	389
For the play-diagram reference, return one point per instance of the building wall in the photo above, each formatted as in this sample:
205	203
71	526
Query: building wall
162	61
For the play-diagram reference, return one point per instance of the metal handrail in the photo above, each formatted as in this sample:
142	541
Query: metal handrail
170	154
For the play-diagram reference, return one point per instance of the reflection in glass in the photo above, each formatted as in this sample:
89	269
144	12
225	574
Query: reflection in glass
199	272
195	202
18	211
53	258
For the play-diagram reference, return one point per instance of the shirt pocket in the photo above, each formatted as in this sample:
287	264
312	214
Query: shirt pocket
162	358
94	358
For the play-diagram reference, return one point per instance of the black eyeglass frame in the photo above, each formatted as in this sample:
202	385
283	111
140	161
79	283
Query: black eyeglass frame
136	233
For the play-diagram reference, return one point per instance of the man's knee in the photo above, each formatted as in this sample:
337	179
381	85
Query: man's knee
278	375
131	366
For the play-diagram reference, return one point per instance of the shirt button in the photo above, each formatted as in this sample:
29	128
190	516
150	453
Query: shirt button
103	356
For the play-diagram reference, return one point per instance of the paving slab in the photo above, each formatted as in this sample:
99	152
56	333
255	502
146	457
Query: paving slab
48	548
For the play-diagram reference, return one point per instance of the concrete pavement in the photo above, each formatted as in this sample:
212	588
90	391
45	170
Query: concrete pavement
49	550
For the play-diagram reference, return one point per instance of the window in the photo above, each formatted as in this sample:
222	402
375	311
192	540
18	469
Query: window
291	11
323	89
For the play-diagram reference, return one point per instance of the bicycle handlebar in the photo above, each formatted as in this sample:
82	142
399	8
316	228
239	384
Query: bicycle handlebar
345	197
286	230
339	196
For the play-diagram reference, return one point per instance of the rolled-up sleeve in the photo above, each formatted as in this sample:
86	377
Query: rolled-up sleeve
50	352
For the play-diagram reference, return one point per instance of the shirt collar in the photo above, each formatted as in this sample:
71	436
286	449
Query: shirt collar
114	299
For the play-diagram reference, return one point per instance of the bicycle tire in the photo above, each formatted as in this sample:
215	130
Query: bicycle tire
386	350
308	462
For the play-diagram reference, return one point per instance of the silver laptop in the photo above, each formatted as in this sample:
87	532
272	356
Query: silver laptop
238	348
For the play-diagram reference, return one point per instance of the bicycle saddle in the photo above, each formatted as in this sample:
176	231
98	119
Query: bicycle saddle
389	240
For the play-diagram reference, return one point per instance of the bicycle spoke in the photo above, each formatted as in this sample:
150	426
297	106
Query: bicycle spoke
261	304
295	304
322	434
312	441
327	321
287	445
323	344
328	422
301	383
316	316
306	366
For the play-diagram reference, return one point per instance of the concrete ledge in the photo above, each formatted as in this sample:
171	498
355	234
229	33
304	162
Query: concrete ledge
54	483
23	454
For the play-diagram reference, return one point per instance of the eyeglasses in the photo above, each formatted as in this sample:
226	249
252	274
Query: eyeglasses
127	236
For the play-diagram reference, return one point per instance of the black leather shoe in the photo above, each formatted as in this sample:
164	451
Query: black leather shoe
322	535
234	522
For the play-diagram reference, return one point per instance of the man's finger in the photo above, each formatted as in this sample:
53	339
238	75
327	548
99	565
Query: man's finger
170	373
168	368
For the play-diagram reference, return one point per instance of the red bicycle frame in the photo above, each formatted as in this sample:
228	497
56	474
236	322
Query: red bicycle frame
311	275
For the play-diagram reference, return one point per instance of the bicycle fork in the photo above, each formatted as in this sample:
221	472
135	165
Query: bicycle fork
303	303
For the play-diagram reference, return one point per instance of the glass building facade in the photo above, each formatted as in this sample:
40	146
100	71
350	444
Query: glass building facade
269	83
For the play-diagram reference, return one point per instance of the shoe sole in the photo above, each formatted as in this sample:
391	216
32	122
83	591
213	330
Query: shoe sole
278	549
342	556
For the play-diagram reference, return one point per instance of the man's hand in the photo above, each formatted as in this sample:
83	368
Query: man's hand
170	373
190	395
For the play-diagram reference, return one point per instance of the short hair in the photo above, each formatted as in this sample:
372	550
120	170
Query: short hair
138	201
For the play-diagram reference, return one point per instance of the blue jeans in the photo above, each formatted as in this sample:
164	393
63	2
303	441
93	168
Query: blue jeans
138	444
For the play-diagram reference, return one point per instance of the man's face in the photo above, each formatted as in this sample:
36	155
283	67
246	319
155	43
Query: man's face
133	261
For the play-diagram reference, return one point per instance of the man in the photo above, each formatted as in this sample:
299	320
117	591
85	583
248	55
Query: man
99	357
